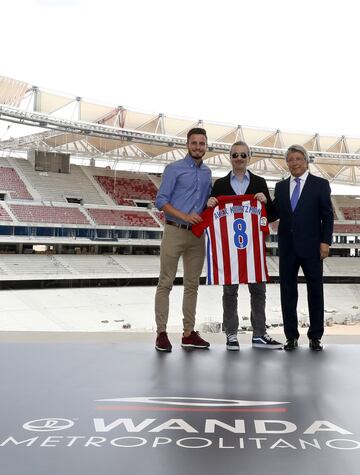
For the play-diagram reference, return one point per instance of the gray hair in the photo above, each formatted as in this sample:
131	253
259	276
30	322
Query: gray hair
242	144
297	148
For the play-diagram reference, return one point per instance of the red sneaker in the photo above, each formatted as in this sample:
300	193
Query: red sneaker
162	342
194	340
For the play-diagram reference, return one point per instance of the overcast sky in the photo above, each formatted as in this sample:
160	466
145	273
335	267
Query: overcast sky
282	64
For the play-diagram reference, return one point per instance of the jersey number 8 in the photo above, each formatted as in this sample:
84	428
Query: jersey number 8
240	236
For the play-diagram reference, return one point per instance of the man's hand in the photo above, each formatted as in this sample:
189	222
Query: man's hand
192	218
261	197
324	250
212	202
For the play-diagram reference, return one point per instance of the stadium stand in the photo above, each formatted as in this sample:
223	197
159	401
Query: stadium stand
345	228
112	217
96	238
11	183
352	214
348	208
156	180
48	214
31	265
125	190
4	216
56	187
111	188
90	265
16	266
160	216
148	265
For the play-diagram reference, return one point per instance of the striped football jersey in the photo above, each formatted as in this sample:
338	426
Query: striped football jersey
235	240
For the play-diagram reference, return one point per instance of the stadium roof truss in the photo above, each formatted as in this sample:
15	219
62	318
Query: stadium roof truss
92	131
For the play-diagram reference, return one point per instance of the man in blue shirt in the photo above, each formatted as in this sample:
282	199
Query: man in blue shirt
182	195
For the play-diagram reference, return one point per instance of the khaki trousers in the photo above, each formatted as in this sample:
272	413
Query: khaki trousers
175	243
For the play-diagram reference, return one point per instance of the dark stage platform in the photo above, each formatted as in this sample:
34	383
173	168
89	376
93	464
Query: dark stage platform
79	407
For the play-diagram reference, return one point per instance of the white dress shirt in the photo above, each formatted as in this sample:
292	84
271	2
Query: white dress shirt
302	182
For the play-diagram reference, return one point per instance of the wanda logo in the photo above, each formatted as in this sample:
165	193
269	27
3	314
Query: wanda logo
50	424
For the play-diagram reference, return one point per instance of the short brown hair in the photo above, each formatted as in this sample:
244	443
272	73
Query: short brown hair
196	130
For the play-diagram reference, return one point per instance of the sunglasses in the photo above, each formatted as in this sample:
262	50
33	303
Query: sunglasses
237	155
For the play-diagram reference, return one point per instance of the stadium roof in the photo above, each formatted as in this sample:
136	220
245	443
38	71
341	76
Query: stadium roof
33	118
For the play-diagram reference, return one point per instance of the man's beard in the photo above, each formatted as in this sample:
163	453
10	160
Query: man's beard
195	157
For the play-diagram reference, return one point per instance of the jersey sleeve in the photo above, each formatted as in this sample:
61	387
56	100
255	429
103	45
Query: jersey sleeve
198	229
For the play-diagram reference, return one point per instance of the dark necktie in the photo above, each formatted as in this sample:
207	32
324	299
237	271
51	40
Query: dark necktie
295	195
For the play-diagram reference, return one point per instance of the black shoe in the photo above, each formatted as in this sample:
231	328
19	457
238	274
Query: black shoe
291	344
232	343
266	342
315	345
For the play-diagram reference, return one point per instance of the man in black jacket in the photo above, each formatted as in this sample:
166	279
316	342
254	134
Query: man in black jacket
241	181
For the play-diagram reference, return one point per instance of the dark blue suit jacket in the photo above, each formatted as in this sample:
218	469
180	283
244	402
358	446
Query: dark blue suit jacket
311	223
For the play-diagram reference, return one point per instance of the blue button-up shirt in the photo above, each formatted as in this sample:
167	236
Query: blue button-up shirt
238	186
185	186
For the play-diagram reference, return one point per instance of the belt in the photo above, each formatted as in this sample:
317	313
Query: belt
180	226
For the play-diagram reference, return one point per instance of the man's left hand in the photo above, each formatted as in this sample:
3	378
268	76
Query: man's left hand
194	218
324	250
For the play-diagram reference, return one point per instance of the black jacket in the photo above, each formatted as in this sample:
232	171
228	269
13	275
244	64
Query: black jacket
222	187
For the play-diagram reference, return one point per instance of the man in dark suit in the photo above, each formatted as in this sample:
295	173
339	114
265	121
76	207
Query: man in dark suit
305	233
241	181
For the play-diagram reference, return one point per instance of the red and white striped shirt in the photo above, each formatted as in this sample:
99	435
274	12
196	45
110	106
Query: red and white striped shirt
235	240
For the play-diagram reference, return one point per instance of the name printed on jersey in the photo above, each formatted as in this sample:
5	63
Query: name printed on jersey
235	233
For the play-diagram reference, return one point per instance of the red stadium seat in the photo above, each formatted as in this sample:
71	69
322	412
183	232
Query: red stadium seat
13	185
111	217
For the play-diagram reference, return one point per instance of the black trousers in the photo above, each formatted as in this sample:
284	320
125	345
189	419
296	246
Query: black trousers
312	268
